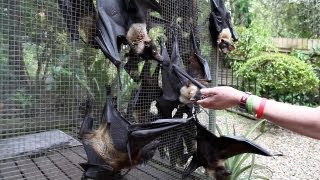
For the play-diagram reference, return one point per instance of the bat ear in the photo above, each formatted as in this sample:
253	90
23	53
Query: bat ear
214	4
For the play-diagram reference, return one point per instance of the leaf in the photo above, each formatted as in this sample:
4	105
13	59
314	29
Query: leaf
252	129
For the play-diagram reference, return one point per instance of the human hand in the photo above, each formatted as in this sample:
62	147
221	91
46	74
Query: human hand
221	97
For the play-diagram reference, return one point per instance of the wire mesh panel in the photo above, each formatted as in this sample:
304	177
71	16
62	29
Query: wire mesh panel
50	64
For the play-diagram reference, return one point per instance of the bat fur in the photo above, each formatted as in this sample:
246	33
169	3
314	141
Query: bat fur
140	42
225	41
101	142
137	35
188	93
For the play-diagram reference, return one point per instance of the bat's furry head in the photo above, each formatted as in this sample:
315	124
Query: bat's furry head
101	142
141	43
188	93
225	41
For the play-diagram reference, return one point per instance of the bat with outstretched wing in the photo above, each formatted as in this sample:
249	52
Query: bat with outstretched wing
119	144
212	151
220	26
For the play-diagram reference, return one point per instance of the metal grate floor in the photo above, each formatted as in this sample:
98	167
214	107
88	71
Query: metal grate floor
64	164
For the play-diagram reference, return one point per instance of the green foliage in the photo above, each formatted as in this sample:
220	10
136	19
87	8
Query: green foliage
243	166
23	99
279	73
295	18
253	41
242	15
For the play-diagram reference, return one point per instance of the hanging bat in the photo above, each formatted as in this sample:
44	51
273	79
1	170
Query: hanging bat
124	22
79	13
96	167
189	88
119	144
198	66
212	151
177	86
220	26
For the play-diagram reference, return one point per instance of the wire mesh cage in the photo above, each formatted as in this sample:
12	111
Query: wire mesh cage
50	65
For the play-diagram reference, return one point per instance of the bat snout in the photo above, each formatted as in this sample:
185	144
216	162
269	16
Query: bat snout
197	96
150	51
225	46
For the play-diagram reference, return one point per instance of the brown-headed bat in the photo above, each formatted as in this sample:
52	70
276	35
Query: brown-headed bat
221	29
124	22
119	144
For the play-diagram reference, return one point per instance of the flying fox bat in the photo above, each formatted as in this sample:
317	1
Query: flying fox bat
220	26
211	151
177	84
124	22
119	144
198	66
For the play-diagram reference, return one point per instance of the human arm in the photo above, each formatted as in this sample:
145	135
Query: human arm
301	119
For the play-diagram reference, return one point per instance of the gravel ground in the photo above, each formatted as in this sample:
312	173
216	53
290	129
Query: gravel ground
301	155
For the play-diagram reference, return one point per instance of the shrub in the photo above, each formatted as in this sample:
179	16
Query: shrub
279	73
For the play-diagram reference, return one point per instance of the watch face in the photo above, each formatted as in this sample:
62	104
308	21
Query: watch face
243	102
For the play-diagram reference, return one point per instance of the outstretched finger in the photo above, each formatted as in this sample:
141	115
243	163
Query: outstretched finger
206	102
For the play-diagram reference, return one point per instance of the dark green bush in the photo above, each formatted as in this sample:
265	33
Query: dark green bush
279	74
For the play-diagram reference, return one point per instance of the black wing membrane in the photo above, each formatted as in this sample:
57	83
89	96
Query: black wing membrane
235	145
199	73
174	77
169	81
212	149
220	19
87	123
95	164
118	126
115	19
217	18
112	23
129	144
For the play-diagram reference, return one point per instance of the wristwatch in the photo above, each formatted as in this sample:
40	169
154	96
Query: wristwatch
243	102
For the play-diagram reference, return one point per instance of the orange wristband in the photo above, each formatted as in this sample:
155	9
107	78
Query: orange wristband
261	108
